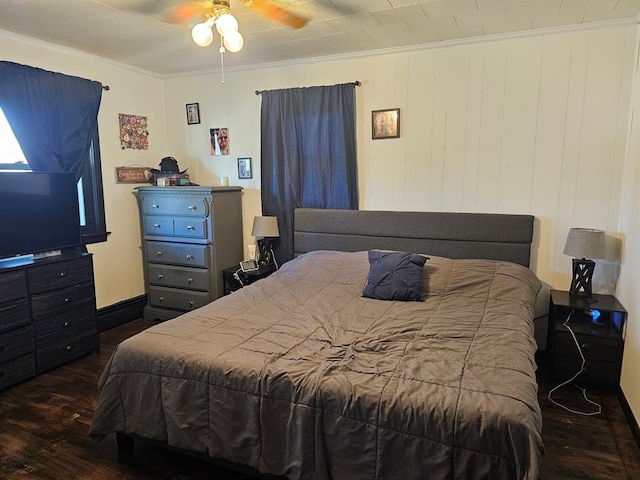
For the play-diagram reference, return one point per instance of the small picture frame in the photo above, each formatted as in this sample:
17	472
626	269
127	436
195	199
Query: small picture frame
385	123
244	168
193	113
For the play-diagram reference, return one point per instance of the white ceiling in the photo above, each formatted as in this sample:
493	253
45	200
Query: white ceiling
135	32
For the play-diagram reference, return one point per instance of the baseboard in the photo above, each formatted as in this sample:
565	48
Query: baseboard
631	419
121	312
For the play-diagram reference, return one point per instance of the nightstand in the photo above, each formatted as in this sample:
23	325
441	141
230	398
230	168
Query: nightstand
231	284
600	338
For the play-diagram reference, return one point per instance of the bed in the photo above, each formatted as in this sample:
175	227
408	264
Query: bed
299	376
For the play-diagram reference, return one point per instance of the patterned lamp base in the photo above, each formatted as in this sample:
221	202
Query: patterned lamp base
582	274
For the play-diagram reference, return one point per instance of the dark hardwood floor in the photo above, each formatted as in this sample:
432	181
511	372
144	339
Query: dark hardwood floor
44	424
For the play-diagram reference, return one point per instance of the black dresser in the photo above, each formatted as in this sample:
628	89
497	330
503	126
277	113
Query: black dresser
47	314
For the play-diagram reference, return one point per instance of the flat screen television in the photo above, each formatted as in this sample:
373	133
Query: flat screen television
38	213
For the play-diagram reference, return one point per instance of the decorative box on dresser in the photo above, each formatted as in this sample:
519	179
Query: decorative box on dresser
47	314
189	235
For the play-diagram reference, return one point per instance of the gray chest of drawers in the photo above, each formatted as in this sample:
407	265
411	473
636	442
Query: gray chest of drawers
47	314
189	235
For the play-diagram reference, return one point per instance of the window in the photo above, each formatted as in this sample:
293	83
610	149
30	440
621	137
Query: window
90	196
94	229
11	154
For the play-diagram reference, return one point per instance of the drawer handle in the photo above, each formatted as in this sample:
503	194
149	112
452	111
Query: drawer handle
62	274
160	276
155	205
190	227
66	300
157	225
586	346
191	304
159	254
189	256
67	324
161	299
192	207
190	280
69	348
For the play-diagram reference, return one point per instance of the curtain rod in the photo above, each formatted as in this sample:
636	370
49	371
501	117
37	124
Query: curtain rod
356	83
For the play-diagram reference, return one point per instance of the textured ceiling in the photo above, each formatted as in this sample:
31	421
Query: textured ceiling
135	32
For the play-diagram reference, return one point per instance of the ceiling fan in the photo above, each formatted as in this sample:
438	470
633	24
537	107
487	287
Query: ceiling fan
188	10
218	13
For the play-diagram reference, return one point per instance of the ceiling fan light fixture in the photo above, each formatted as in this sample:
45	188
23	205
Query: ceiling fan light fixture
226	23
233	41
202	34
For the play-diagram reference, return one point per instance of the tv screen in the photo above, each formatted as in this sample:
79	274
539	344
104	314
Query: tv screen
38	212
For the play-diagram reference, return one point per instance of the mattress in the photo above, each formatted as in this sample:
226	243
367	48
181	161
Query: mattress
298	375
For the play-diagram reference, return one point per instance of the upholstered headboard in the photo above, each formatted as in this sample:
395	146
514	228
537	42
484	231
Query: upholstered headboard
454	235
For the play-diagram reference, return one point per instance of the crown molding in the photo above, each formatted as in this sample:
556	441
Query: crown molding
36	42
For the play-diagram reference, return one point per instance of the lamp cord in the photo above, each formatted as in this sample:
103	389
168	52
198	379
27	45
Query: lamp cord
584	390
236	275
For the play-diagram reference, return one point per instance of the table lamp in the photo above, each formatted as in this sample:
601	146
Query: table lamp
266	227
583	244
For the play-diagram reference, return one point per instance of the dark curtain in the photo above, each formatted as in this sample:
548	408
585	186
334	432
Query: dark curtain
53	116
308	154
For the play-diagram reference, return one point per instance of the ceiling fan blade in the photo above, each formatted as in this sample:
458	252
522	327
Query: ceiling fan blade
187	11
274	12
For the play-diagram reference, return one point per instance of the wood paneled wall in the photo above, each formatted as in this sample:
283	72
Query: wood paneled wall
533	124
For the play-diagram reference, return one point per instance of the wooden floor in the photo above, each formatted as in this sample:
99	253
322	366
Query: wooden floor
44	424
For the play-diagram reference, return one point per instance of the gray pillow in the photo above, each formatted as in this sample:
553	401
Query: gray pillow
395	276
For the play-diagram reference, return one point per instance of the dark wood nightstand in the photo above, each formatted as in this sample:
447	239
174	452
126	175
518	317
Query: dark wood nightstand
600	338
231	284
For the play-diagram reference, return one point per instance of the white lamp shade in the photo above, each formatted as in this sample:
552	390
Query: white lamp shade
233	41
265	227
585	243
202	34
226	23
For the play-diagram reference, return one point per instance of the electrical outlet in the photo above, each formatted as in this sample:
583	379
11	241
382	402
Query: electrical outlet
252	252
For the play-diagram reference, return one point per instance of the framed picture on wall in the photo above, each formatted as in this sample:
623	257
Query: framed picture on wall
193	113
244	168
219	141
385	123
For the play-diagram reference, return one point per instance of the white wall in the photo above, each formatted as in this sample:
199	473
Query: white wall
117	262
523	124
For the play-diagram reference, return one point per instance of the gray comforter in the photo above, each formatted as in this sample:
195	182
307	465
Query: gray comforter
298	375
